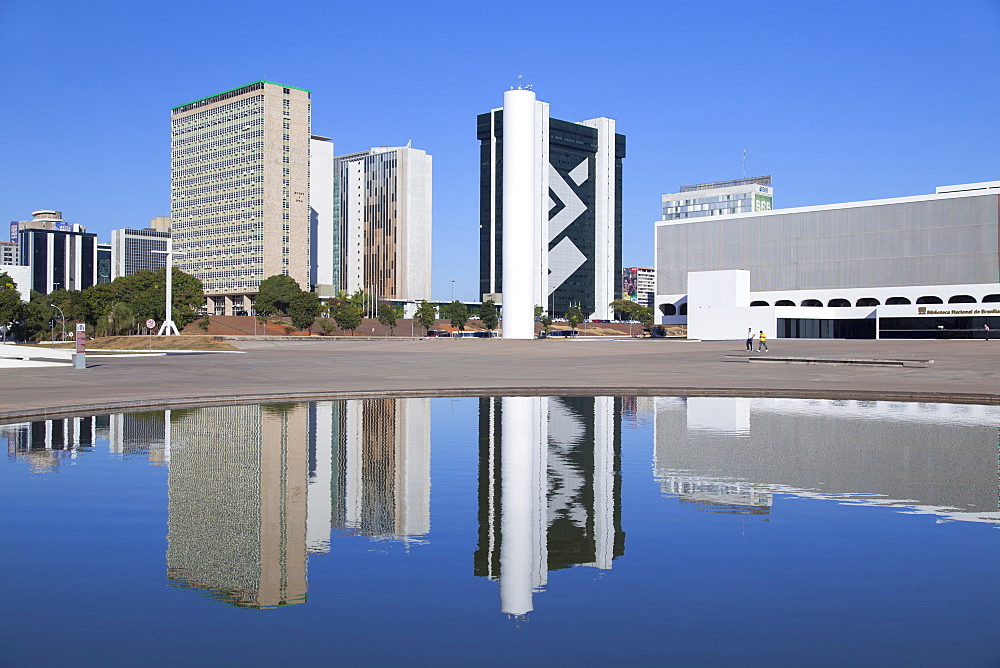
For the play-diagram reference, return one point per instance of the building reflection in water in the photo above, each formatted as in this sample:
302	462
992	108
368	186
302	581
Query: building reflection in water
370	470
45	444
549	491
253	489
733	453
236	522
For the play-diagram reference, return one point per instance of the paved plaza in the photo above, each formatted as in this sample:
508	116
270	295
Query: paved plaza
964	371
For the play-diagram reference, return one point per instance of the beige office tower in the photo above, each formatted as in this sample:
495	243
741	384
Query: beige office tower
382	223
236	519
239	201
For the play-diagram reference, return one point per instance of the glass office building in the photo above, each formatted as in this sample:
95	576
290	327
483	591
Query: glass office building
719	198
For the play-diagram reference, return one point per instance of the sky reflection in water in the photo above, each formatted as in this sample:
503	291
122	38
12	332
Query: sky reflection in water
583	529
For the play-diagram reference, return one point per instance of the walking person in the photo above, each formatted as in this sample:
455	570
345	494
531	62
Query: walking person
762	341
750	339
986	330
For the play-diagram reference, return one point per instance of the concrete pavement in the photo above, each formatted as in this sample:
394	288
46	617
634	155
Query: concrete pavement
962	371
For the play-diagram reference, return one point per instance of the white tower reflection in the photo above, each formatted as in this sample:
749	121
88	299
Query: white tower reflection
549	491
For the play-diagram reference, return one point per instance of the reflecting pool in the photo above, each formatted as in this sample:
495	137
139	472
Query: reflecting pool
537	530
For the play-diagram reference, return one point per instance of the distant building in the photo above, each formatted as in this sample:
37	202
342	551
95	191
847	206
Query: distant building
575	208
380	239
719	198
103	263
133	250
160	223
639	285
324	248
59	259
8	253
43	219
239	203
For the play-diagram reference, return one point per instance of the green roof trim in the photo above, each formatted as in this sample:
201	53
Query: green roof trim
273	83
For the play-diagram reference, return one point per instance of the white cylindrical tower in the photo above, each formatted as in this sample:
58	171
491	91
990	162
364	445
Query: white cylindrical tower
518	508
519	234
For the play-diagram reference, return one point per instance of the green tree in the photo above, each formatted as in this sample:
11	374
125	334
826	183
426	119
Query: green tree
360	298
120	319
73	304
426	315
188	296
630	310
546	321
204	323
11	305
303	310
539	310
100	298
146	291
489	315
574	316
276	293
387	314
458	314
37	318
327	326
348	316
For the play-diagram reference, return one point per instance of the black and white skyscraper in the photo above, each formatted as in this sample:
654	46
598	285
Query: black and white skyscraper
577	211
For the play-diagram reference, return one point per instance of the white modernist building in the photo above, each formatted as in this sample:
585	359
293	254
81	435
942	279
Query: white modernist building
325	249
909	267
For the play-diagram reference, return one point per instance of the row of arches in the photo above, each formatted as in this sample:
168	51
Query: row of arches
674	309
891	301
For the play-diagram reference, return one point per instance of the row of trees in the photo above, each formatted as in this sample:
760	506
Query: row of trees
281	296
625	309
119	307
125	304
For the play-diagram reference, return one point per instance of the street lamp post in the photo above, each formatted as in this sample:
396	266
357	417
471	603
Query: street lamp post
452	290
168	325
62	316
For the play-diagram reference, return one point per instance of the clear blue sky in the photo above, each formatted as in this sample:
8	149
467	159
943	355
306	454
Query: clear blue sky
838	101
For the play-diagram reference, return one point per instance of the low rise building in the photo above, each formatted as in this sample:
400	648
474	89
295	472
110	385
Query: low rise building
926	266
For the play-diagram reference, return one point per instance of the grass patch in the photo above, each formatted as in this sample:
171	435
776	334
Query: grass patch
140	343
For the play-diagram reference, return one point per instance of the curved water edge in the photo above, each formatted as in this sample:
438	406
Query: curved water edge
103	407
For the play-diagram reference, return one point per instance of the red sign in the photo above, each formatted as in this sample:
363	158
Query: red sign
81	337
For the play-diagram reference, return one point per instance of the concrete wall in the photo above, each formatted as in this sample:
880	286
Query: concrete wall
927	240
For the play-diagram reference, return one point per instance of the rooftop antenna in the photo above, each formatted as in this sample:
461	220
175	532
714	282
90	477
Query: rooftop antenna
520	83
744	163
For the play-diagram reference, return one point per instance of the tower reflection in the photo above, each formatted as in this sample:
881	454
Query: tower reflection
236	524
254	489
369	470
549	491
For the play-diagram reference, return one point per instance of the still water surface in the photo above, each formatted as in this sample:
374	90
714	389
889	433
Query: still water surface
536	530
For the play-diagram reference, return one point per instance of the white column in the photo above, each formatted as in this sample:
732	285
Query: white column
522	510
519	234
604	481
319	505
413	468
